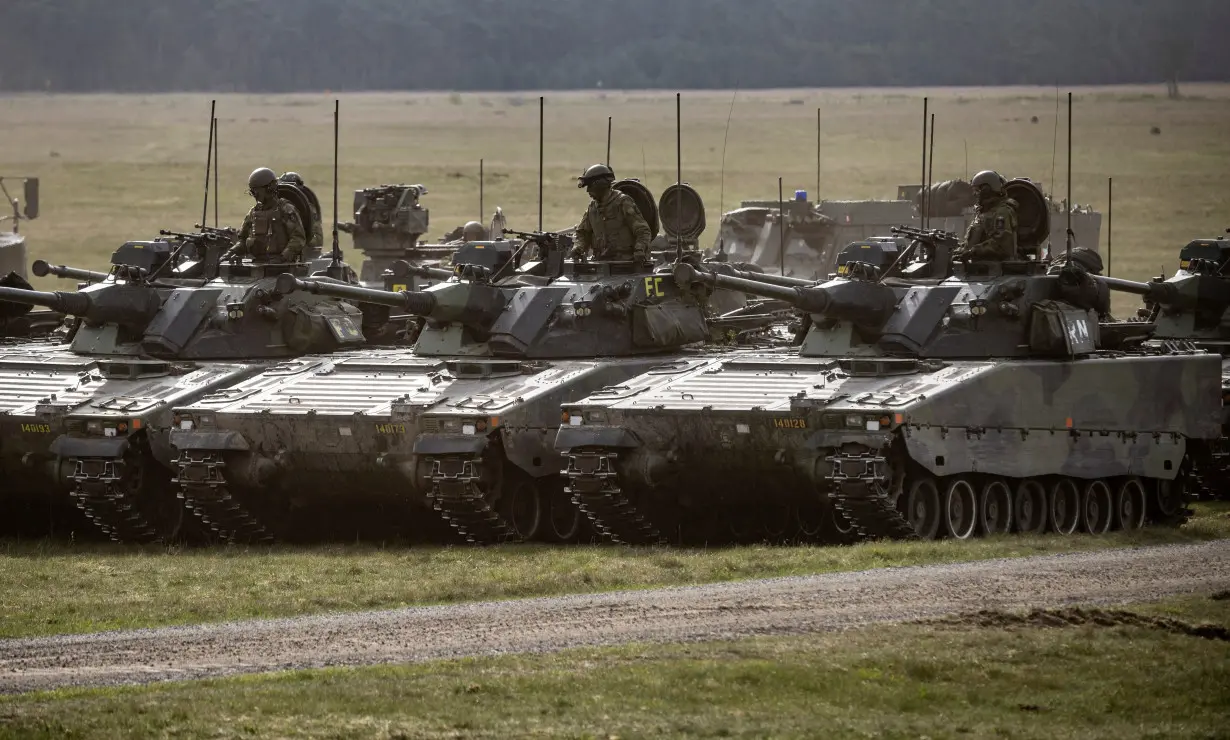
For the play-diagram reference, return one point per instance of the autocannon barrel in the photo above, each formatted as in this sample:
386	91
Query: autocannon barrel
431	273
1162	293
413	302
77	304
760	277
860	302
42	268
810	299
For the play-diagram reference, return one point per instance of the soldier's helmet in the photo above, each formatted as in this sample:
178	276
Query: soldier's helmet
988	180
595	172
473	231
261	177
292	177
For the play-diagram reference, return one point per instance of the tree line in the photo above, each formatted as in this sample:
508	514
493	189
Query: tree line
308	45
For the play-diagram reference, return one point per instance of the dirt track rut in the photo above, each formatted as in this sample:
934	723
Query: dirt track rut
717	611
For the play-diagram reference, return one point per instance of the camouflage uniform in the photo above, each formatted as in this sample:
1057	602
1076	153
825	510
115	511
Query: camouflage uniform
991	236
272	234
613	229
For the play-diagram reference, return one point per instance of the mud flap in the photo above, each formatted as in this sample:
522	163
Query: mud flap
209	441
572	438
437	445
109	447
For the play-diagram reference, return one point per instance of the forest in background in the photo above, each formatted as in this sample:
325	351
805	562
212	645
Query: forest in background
346	45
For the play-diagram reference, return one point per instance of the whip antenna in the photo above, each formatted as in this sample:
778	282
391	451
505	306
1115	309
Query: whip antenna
337	251
1110	217
930	169
209	153
679	176
1055	138
541	105
480	192
215	173
725	138
922	178
1069	198
608	141
817	155
781	228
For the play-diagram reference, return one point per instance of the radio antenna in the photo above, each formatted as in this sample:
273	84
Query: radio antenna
781	228
215	173
1110	217
481	211
930	170
1055	138
337	251
679	176
725	138
541	106
922	178
209	153
817	155
608	141
1069	198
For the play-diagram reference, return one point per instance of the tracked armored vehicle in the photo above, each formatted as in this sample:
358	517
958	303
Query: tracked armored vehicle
465	423
934	398
1194	305
92	416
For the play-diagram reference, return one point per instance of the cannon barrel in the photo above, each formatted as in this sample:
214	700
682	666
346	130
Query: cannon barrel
809	299
77	304
860	302
432	273
42	268
413	302
1161	293
783	280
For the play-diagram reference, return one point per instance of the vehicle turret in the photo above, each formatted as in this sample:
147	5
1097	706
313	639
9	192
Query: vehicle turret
131	306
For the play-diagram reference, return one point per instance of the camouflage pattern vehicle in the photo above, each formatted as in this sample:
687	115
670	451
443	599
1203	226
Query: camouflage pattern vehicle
817	230
931	399
1194	305
466	422
92	416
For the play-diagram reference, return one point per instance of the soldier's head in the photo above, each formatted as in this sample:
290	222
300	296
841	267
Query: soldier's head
263	185
473	231
988	186
292	177
596	179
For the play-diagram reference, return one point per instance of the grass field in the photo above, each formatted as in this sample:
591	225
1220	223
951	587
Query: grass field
1066	674
117	167
56	589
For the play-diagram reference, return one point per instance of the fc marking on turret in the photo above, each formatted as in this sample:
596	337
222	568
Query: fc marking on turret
653	287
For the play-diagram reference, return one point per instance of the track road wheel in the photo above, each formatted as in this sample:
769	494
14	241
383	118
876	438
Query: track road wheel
564	521
1097	509
1029	510
995	508
811	519
960	509
836	529
521	505
922	508
1130	505
1065	509
777	522
1167	504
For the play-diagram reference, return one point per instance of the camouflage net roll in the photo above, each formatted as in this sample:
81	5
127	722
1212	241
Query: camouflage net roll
948	198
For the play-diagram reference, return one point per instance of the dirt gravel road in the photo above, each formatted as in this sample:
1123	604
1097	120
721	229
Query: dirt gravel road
717	611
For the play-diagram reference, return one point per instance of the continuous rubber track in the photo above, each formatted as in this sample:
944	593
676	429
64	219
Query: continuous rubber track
718	611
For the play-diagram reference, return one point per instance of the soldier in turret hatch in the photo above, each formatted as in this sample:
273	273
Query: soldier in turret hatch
318	231
612	227
272	231
991	236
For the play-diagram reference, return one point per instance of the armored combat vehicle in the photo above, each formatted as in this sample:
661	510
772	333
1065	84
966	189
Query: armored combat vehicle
1194	305
92	416
463	424
938	398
